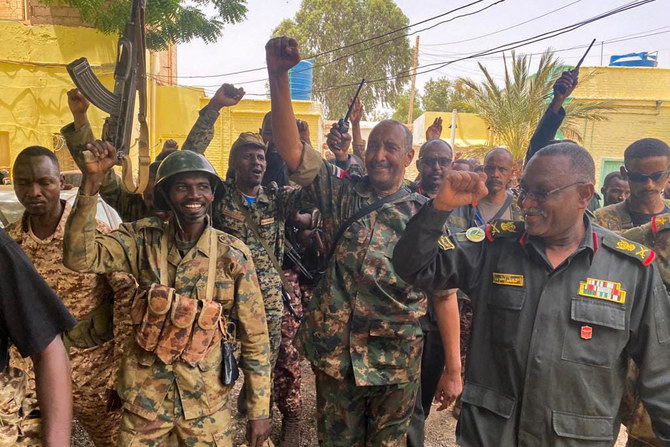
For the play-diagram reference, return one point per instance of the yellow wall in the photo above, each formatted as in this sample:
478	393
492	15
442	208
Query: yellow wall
247	116
641	97
471	130
34	82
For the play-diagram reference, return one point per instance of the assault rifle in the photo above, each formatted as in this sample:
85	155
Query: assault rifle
129	80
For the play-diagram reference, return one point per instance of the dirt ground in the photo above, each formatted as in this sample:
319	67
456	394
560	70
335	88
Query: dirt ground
440	427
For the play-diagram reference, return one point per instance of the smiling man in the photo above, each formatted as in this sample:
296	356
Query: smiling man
360	331
560	305
196	281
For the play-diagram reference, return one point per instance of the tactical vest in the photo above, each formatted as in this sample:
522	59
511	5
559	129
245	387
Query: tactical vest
174	326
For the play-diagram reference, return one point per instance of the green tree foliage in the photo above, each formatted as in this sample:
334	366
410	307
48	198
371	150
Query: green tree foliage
514	109
168	21
322	25
401	106
443	95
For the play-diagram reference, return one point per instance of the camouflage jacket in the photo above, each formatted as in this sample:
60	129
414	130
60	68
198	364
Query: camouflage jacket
656	235
269	212
616	217
80	292
135	248
362	316
468	216
129	206
550	346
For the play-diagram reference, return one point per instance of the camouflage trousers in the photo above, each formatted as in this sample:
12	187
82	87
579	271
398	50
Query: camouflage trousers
634	416
91	376
16	404
214	430
353	416
287	376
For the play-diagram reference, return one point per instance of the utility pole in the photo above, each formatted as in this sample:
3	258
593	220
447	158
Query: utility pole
415	63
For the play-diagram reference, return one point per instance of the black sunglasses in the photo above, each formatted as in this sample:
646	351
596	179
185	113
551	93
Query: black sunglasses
638	177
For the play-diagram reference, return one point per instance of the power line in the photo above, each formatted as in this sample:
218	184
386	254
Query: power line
504	29
508	46
369	39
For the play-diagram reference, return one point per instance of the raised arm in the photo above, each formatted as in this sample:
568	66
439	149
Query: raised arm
202	132
84	249
281	54
427	258
553	117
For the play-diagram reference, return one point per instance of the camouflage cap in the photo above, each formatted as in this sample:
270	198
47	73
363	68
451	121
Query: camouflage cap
246	139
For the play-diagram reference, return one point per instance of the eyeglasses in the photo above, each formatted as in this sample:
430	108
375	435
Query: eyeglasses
430	161
541	196
638	177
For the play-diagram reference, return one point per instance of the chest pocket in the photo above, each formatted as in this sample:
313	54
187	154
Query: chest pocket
232	222
504	307
596	332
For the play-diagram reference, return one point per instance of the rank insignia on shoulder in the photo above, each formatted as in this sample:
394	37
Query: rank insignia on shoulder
660	222
475	234
634	250
502	228
602	289
508	279
444	242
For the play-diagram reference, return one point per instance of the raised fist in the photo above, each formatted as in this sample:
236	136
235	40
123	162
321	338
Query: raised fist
460	188
77	102
281	54
303	131
226	96
99	157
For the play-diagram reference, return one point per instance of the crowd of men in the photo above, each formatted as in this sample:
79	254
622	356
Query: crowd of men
545	317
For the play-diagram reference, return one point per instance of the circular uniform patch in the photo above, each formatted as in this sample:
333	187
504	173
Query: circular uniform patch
475	234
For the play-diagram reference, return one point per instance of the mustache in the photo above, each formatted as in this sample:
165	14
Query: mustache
533	211
380	164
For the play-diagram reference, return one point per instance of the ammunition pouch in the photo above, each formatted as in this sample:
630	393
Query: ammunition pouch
94	329
174	326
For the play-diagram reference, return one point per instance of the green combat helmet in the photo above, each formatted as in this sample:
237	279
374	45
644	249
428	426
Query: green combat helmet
180	162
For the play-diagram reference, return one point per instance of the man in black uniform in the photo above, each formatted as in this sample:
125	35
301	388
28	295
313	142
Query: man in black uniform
32	318
559	303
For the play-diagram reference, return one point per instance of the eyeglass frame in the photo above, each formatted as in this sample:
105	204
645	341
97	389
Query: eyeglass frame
436	159
638	177
544	196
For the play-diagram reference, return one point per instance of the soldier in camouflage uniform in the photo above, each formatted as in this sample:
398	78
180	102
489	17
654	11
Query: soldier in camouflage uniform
360	331
645	164
130	206
37	183
198	280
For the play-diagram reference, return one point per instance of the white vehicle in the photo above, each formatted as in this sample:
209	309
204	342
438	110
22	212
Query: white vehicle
11	209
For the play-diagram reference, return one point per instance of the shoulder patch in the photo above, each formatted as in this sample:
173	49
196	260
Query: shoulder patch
660	222
504	228
445	243
637	251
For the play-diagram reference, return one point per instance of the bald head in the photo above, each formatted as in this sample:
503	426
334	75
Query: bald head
436	145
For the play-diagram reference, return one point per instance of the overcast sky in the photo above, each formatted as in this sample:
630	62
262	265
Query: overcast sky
242	46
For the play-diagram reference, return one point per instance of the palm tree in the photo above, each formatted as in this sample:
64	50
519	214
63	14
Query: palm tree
514	109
